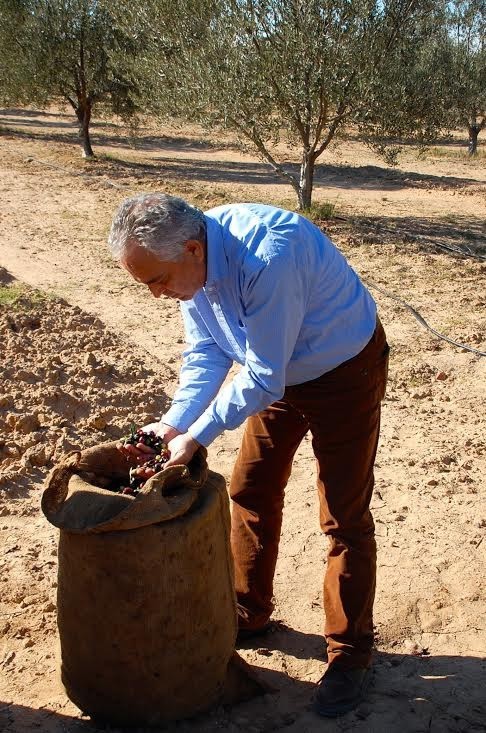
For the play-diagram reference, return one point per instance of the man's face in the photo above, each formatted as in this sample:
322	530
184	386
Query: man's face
179	280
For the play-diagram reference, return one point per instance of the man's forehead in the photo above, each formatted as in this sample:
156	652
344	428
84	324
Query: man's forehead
141	263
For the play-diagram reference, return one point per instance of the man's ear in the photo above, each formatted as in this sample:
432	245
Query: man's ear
196	249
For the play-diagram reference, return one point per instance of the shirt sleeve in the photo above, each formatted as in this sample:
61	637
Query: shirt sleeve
274	301
203	371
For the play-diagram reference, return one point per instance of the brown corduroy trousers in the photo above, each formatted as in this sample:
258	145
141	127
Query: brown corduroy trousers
342	410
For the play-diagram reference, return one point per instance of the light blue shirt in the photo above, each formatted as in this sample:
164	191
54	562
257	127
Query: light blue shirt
280	300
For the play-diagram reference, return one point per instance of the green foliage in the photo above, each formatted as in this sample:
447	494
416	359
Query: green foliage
463	55
447	75
300	70
9	294
22	296
68	50
322	211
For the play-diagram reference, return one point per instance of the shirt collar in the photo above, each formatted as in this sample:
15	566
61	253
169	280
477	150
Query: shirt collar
217	263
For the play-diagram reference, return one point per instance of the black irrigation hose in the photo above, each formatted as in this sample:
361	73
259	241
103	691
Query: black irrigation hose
423	322
459	251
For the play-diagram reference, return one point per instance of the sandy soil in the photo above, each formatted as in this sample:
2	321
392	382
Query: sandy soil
84	350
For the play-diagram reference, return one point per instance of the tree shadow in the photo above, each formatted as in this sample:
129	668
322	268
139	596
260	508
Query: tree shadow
407	694
21	112
460	236
444	140
24	129
373	177
368	177
338	176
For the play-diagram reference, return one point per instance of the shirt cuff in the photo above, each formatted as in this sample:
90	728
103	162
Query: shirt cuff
205	430
179	417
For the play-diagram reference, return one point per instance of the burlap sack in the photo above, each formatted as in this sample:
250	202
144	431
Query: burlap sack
146	605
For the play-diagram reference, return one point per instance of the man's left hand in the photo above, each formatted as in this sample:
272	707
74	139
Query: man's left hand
182	449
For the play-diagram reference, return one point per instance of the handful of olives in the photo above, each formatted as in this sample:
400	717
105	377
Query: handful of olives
154	464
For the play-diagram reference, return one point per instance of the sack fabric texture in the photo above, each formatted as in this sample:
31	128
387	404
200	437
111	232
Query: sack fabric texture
146	604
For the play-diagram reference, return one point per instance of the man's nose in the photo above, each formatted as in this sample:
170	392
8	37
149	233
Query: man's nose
156	289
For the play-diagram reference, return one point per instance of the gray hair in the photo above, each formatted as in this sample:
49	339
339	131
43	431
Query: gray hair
158	222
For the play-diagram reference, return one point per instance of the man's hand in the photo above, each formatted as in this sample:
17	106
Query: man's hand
142	453
182	449
166	432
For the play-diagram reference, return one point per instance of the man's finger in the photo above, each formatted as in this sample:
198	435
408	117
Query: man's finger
144	448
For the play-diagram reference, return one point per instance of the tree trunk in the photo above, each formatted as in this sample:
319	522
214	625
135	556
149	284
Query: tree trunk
83	113
306	181
474	131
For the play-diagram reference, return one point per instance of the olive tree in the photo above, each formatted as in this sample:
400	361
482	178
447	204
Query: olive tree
71	51
300	68
463	50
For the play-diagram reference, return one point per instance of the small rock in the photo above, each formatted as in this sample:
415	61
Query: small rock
28	643
65	445
90	359
5	628
28	601
38	455
25	376
6	400
52	377
432	482
410	647
49	607
23	423
97	422
441	376
9	657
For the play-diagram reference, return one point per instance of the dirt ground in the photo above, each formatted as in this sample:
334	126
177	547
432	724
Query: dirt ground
84	351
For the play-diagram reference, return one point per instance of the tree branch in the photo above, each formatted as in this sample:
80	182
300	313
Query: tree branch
293	114
258	142
321	119
341	114
69	99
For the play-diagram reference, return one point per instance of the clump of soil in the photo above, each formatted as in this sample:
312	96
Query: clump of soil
67	383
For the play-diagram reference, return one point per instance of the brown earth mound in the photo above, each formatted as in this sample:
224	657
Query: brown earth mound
67	383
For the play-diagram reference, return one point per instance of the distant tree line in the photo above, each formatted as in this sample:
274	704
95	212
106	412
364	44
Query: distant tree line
305	70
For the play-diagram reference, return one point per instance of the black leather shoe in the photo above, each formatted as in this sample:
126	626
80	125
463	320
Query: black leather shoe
341	690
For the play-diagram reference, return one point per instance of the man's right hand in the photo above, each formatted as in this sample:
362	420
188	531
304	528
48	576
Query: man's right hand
142	453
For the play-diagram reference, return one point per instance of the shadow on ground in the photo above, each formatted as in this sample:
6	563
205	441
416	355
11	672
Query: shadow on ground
458	236
443	693
368	177
22	124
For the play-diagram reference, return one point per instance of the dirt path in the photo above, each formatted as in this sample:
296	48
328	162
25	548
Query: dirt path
429	504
